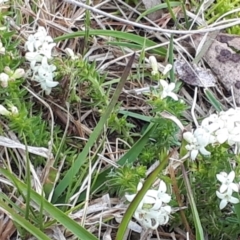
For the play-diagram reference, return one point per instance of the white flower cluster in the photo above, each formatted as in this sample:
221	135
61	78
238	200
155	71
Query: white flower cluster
153	210
215	129
39	47
166	88
226	189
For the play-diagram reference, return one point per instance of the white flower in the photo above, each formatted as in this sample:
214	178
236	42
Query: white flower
42	35
152	219
44	72
35	41
46	49
197	142
227	181
32	44
152	210
226	197
4	111
154	65
44	75
167	90
166	198
48	85
4	78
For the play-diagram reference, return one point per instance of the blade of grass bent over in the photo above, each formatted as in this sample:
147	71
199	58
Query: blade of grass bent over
132	38
134	204
82	157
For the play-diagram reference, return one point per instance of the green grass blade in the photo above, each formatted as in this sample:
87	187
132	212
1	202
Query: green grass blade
52	211
23	222
212	99
134	204
82	157
198	226
135	115
171	59
132	38
156	8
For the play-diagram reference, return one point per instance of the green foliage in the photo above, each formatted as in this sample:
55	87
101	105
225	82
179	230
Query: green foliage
221	7
121	126
84	83
204	185
126	178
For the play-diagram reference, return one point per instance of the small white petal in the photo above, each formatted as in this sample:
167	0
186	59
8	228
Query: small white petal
140	185
163	83
171	86
165	197
173	96
204	152
162	186
231	176
223	188
167	69
222	177
194	154
130	197
223	204
51	84
222	135
220	195
189	137
233	200
234	187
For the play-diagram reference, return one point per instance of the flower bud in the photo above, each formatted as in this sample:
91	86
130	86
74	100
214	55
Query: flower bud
18	73
4	111
2	49
154	65
70	53
8	70
4	78
14	110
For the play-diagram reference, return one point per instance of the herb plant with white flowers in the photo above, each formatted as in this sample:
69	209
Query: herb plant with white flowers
93	147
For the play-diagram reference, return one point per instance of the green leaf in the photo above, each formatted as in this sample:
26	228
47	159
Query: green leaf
132	38
156	8
215	103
